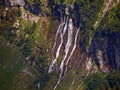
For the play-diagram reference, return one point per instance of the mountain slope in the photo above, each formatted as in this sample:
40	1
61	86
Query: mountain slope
68	44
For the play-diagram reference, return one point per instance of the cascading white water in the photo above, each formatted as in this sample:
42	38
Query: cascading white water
68	44
56	37
61	30
73	49
58	31
69	41
65	25
57	54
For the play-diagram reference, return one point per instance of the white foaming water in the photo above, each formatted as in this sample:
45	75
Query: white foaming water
56	37
68	60
58	50
69	41
68	44
66	25
58	31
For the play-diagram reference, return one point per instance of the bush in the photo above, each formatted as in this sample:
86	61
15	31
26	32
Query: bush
96	82
113	79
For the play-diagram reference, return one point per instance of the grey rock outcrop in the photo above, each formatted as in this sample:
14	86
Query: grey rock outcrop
17	2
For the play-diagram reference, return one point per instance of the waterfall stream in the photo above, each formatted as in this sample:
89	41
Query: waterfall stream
68	44
66	25
73	49
61	30
67	49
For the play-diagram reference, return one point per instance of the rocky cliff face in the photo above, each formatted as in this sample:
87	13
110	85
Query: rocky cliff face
14	2
105	52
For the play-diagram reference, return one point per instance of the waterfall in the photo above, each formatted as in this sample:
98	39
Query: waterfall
56	37
69	41
58	30
68	44
61	30
66	25
73	49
